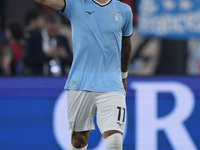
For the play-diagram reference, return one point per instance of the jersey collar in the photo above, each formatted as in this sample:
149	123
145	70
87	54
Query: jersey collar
102	5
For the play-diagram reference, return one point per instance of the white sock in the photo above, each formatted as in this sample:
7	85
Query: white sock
114	142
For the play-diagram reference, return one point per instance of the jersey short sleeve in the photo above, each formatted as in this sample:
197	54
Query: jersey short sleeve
69	7
128	25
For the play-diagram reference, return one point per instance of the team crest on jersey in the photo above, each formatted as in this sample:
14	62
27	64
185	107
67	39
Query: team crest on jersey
116	15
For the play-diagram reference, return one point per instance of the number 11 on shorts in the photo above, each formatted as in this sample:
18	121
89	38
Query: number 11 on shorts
122	111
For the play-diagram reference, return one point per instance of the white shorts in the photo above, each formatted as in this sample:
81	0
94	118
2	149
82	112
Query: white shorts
83	105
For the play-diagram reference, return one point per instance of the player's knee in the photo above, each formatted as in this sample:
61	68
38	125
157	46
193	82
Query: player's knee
114	142
73	148
79	141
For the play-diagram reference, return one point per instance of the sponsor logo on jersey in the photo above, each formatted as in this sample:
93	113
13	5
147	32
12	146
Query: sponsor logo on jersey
90	12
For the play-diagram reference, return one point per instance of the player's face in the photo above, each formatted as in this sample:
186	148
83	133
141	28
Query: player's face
52	29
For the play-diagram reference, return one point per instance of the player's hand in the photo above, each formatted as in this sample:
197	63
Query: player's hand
124	83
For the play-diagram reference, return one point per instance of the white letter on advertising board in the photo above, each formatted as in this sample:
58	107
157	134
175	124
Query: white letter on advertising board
147	122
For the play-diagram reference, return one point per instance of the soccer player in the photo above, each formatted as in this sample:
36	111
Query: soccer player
101	31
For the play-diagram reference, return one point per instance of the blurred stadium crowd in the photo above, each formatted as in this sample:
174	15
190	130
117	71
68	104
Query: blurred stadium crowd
35	41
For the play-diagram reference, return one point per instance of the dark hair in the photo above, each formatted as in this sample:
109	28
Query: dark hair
52	18
16	29
31	15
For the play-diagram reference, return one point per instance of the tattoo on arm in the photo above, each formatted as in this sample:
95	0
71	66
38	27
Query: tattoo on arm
125	53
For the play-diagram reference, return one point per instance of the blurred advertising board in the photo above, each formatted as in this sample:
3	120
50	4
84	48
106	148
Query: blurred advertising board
162	114
169	18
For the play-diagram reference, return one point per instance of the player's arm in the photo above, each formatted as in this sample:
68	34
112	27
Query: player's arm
57	5
125	58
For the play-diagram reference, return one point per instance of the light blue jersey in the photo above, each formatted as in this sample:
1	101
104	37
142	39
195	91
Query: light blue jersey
97	32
